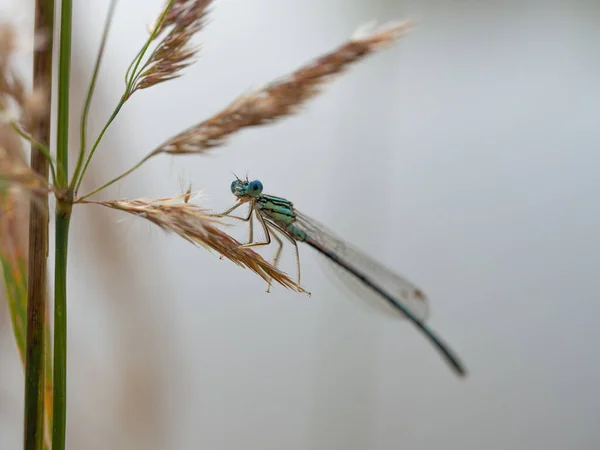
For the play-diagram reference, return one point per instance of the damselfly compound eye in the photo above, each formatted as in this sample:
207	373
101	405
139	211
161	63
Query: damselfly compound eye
255	187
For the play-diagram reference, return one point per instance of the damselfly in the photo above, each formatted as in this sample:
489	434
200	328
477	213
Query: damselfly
278	215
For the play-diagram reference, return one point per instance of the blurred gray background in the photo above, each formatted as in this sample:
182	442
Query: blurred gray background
466	158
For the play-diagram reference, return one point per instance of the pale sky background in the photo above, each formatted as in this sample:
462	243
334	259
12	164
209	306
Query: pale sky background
466	158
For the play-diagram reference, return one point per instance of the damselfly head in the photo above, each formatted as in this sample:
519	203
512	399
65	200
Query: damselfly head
245	188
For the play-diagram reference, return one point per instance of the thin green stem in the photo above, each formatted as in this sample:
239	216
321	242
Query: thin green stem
64	76
38	145
63	216
113	116
139	56
90	93
114	180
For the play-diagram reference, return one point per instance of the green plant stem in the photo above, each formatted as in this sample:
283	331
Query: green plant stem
38	240
114	180
90	94
133	63
113	116
63	216
64	76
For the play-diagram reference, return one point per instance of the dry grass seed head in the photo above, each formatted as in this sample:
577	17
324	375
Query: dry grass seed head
174	52
281	97
196	226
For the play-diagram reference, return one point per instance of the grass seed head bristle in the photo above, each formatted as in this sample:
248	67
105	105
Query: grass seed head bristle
196	226
184	14
282	97
383	36
174	52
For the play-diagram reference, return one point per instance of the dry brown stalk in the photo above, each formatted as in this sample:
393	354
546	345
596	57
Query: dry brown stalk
195	225
174	52
282	97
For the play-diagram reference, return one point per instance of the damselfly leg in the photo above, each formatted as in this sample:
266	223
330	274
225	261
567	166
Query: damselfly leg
268	227
289	238
276	258
227	212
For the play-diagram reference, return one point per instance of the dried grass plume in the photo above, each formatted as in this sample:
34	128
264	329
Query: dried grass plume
183	19
195	225
281	97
